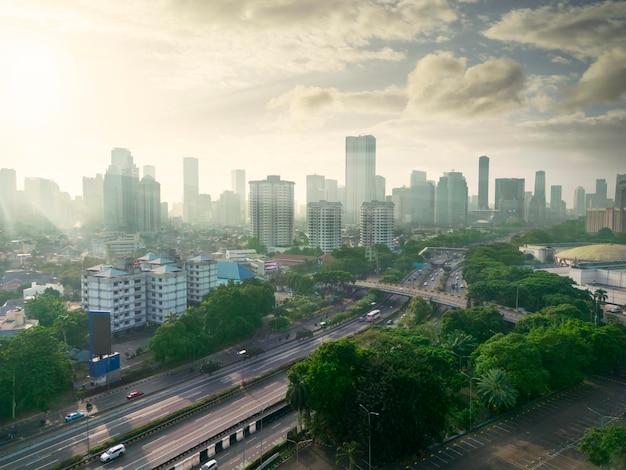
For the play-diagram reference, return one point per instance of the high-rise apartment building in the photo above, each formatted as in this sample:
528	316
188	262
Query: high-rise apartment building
380	188
422	203
271	211
191	190
332	191
360	174
324	225
120	192
377	224
557	204
401	198
509	198
451	200
483	183
229	210
93	199
600	198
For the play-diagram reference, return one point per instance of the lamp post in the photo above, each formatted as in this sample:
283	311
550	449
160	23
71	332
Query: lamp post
369	433
460	358
297	444
603	417
517	299
470	397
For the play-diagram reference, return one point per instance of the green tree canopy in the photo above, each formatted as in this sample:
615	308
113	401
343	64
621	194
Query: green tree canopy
605	446
45	307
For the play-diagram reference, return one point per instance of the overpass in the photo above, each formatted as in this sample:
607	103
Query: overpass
443	298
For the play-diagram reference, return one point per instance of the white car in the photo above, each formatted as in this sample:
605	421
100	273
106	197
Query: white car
112	453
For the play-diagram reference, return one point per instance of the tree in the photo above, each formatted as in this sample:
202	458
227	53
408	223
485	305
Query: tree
73	328
419	311
479	322
599	297
605	446
172	342
45	307
496	390
347	451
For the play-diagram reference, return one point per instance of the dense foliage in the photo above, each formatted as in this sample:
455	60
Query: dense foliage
228	314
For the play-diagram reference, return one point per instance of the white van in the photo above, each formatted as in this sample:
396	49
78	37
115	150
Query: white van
112	453
210	465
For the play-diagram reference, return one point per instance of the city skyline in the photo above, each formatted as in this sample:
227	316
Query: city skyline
268	86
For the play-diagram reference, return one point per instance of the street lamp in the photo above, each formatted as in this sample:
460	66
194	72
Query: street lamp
369	433
297	444
517	299
603	417
460	358
470	396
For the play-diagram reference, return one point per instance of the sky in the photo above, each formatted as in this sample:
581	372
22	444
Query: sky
275	86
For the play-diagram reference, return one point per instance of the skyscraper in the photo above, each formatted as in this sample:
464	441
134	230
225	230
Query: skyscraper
451	200
380	188
238	186
315	188
620	192
537	206
377	223
579	201
8	193
324	225
509	197
483	183
600	197
271	207
191	189
360	174
148	205
557	205
120	192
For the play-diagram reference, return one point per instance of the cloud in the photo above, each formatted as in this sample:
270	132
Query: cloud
603	82
442	87
584	31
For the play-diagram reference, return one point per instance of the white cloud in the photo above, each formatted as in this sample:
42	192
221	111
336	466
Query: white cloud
584	31
603	82
442	87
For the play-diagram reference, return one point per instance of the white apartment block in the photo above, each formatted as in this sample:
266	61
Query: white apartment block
147	290
201	277
324	225
377	223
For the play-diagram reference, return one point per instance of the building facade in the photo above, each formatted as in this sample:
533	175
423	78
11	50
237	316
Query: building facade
201	277
271	211
483	183
377	224
360	174
509	198
451	200
324	225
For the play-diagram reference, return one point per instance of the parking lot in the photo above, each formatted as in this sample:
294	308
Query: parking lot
543	435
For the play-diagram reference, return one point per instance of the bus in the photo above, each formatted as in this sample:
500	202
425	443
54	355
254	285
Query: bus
373	315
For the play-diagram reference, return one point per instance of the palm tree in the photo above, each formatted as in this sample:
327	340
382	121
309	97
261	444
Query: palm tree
496	390
459	342
297	396
348	452
600	297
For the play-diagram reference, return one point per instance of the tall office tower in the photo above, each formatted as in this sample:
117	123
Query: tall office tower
537	205
165	213
360	174
324	225
600	199
483	183
579	201
191	189
380	189
451	200
417	177
315	188
509	198
332	192
8	196
228	209
238	186
149	170
401	198
557	204
271	207
45	199
620	192
120	192
377	224
148	206
93	199
423	203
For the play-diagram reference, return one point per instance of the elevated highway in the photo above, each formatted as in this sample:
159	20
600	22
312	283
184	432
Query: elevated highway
443	298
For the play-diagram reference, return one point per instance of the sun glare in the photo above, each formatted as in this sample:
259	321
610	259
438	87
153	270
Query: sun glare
35	84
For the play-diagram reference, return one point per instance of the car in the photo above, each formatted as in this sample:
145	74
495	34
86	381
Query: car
210	465
426	283
390	322
112	453
134	394
73	416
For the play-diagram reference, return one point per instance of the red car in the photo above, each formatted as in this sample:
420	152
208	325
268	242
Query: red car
134	394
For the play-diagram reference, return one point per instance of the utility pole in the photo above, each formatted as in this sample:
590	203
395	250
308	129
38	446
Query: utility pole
369	433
